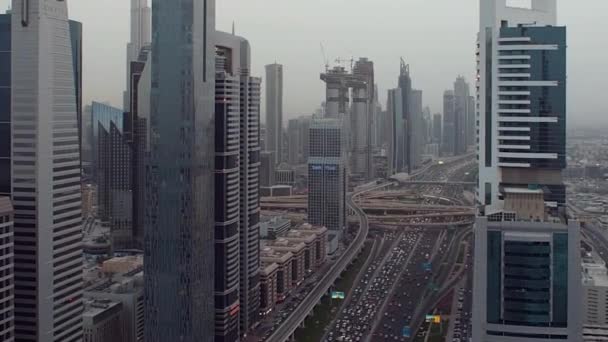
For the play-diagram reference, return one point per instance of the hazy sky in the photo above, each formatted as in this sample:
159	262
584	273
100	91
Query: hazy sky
436	37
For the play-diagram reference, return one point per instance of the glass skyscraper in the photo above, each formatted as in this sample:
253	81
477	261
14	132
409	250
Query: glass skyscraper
178	237
527	278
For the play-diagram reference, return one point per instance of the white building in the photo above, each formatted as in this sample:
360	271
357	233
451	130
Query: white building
527	281
46	175
595	293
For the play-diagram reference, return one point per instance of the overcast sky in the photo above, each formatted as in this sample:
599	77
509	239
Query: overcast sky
436	37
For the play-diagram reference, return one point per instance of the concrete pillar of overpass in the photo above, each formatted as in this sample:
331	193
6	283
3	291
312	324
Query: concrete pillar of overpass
302	325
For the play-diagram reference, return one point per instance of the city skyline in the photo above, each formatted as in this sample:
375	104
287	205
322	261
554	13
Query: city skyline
393	22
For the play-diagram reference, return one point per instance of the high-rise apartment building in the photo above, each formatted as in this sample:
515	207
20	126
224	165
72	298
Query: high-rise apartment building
46	187
527	276
7	285
179	247
274	110
327	175
237	117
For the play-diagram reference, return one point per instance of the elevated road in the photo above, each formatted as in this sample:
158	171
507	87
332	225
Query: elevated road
437	183
297	316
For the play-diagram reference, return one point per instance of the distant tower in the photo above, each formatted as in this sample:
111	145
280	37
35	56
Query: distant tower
461	115
274	110
141	28
407	119
327	175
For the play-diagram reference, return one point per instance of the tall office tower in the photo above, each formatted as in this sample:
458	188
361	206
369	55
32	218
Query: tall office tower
46	187
7	286
141	21
437	128
398	139
461	112
180	210
527	276
267	167
114	173
405	84
327	175
303	129
237	100
362	118
274	110
418	133
5	105
449	123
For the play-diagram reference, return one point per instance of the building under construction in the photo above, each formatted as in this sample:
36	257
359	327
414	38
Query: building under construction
351	94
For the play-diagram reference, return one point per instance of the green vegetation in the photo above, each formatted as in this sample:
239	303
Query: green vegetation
315	325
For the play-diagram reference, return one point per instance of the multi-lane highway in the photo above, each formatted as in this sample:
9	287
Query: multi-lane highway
299	314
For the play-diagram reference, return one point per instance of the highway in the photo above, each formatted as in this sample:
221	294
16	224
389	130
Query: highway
297	316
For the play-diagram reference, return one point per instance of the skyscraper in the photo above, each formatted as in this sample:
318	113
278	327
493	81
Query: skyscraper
461	112
362	118
179	232
398	139
327	175
437	128
114	173
237	120
527	277
407	118
274	110
448	143
141	21
7	285
417	131
46	187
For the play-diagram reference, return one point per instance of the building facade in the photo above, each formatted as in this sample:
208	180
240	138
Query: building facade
461	114
46	184
237	177
180	202
398	142
274	110
527	278
448	142
140	36
7	286
5	105
327	175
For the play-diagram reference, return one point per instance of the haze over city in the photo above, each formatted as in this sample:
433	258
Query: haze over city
303	171
436	37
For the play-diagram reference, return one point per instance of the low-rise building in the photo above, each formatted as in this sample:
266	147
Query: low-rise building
298	250
102	321
126	288
276	191
268	287
315	239
283	260
273	227
595	292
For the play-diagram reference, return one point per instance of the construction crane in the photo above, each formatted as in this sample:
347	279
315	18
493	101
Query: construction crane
325	60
